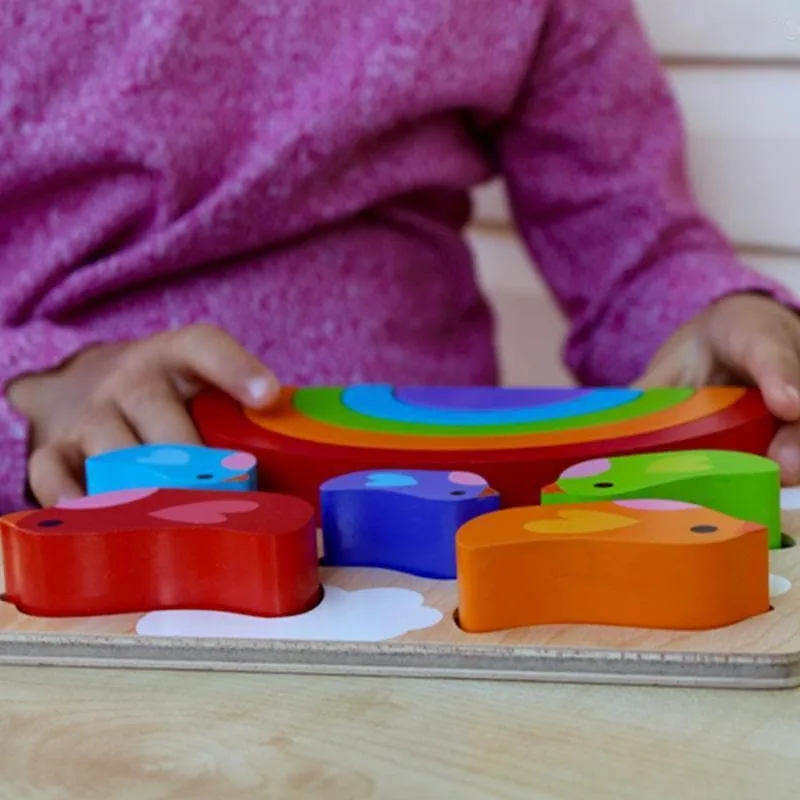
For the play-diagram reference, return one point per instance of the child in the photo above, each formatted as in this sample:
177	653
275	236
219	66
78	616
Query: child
296	173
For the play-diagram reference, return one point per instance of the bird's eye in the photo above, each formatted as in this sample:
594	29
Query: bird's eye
603	485
458	492
704	529
204	476
49	523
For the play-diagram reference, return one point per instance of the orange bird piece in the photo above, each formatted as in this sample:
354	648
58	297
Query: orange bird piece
637	563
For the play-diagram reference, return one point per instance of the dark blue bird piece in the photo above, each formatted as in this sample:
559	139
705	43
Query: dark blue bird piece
403	520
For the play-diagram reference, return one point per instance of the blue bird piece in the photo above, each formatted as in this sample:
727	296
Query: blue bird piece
171	466
404	520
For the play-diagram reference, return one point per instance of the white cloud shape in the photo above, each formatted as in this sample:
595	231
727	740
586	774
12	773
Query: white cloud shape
363	615
778	585
790	498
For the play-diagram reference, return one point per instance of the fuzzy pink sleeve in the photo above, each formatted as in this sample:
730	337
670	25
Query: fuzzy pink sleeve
594	161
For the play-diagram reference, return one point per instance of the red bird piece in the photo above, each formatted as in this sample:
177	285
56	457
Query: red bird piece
149	549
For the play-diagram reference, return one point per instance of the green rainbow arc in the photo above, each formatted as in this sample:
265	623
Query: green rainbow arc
324	404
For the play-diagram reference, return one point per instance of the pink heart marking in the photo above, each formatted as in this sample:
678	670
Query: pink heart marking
105	500
587	468
210	512
467	479
655	505
242	461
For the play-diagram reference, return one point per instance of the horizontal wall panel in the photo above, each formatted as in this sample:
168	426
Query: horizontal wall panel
783	268
726	29
744	150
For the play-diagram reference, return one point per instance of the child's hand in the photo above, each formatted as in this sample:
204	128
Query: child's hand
119	395
747	339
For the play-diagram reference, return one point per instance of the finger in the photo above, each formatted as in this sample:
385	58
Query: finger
216	358
785	449
53	474
158	414
768	357
107	430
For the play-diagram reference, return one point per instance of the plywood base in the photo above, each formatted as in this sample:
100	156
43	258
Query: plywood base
762	652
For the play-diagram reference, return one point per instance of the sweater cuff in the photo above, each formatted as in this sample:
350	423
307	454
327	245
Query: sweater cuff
652	307
13	461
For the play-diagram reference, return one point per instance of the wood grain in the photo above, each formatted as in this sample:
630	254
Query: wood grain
742	129
140	735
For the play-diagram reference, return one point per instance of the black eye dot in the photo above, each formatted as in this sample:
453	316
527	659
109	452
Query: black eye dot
603	485
704	529
49	523
204	476
458	492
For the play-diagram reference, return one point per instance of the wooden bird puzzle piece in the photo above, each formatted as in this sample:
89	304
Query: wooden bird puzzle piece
145	549
637	563
171	466
405	521
742	485
519	440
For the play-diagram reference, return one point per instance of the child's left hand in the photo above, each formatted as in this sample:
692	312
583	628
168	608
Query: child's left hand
742	339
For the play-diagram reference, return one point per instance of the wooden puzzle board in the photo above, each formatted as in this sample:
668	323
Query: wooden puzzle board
762	652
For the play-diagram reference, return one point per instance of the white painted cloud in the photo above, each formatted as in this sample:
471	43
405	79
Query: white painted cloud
363	615
790	498
778	585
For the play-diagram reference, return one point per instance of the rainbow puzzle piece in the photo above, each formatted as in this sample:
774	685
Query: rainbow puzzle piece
175	466
638	563
742	485
520	440
401	520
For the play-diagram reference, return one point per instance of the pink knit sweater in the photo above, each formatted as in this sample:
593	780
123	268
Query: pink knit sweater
297	172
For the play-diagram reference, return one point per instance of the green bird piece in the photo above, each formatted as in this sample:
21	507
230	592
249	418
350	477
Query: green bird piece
743	485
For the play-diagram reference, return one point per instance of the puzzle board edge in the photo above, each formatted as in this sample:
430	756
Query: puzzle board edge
483	662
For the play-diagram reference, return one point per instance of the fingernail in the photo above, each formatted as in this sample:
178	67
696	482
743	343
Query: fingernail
792	392
259	389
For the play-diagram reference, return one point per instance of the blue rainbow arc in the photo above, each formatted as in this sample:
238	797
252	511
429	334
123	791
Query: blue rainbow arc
381	401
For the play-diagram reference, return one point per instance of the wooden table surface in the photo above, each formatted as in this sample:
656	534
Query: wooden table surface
148	735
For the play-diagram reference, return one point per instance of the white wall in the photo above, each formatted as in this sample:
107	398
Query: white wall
735	67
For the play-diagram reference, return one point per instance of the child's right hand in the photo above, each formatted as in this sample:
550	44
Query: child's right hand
119	395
